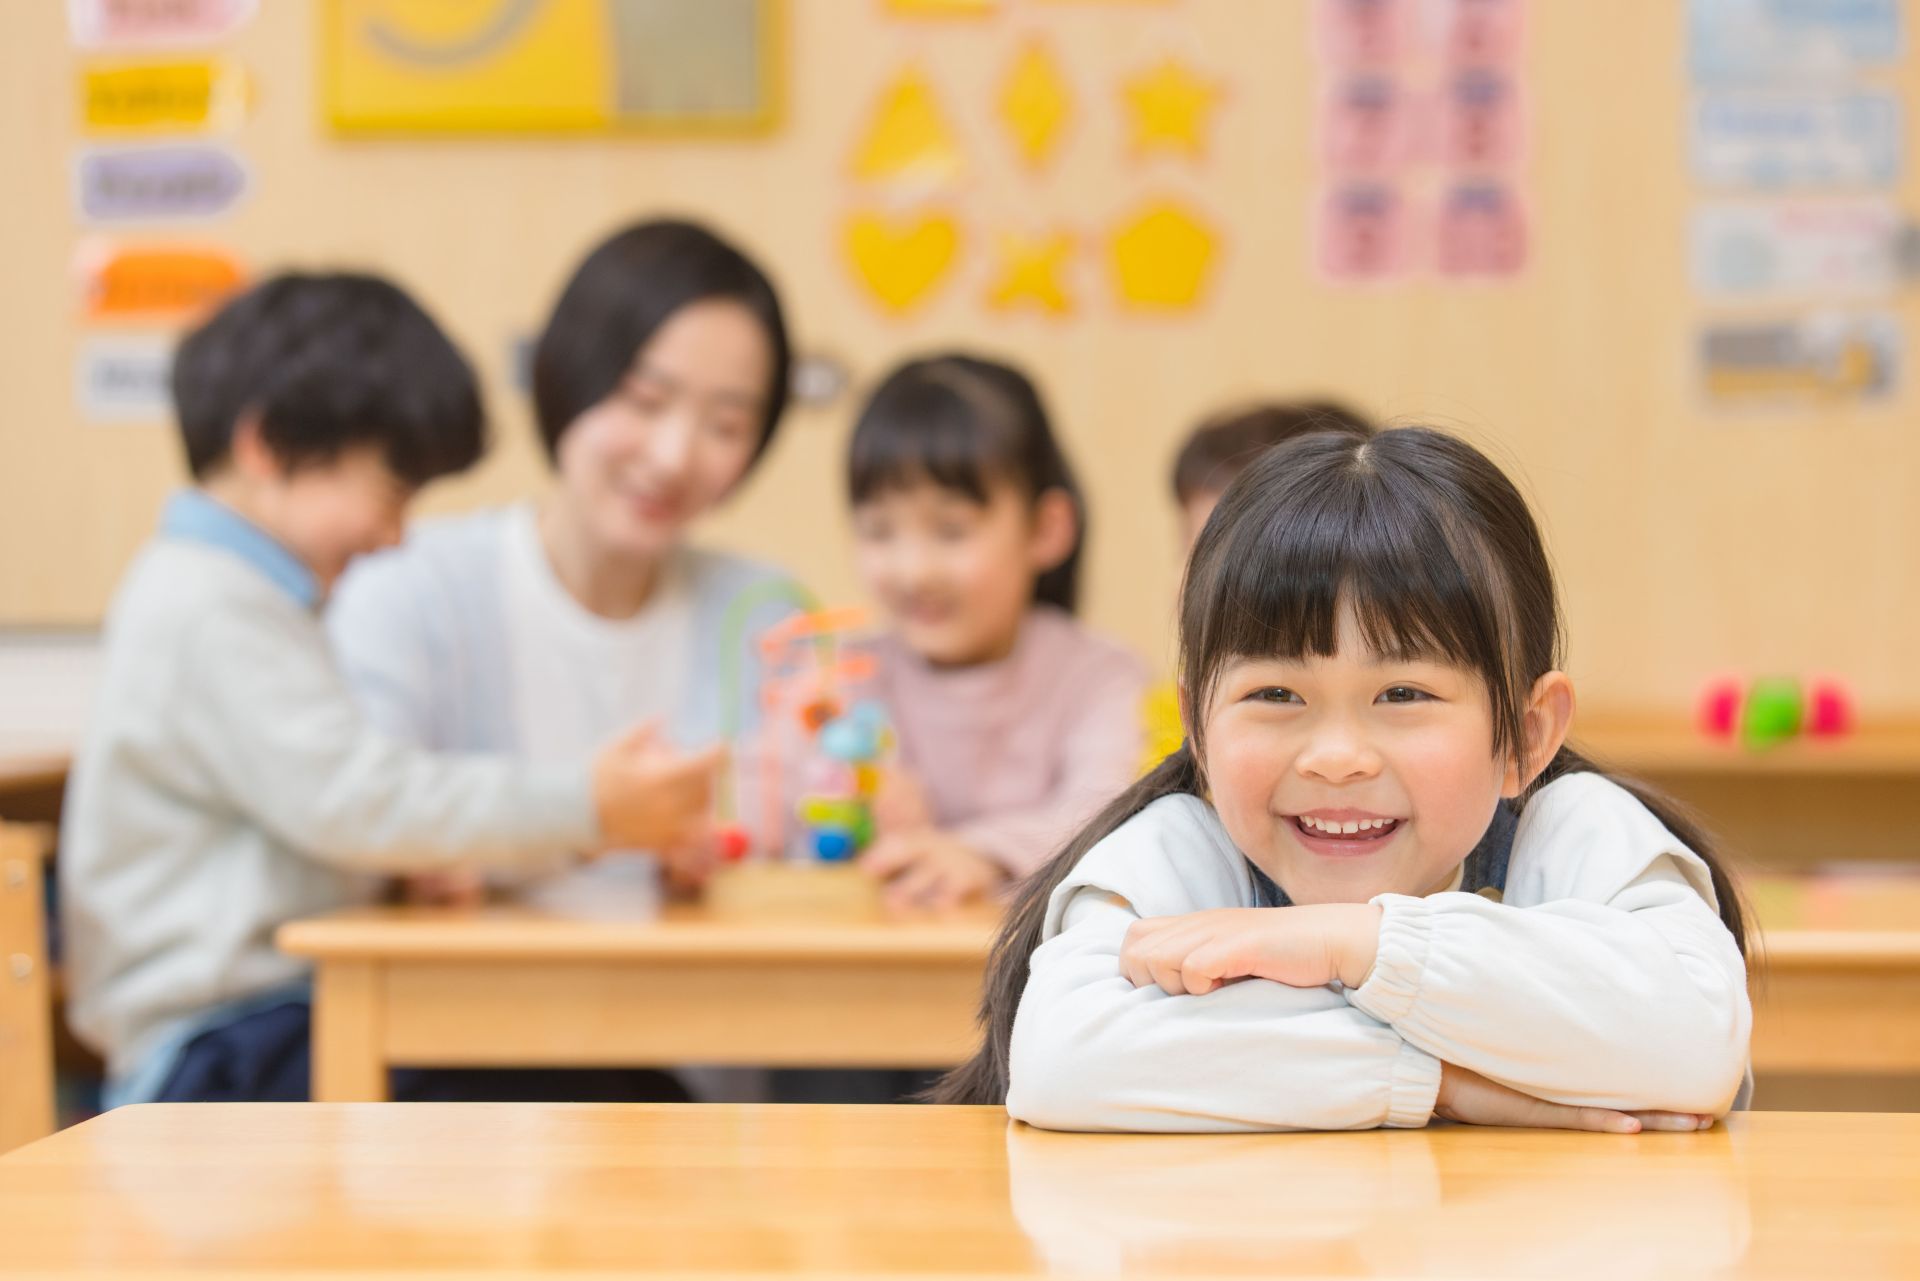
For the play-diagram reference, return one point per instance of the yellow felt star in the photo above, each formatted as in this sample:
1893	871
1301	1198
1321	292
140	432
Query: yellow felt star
1035	103
1171	108
1030	268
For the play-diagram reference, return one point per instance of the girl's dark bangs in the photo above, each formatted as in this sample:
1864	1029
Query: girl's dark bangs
1347	543
926	432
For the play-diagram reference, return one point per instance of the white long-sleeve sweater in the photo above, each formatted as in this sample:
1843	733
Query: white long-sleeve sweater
1605	977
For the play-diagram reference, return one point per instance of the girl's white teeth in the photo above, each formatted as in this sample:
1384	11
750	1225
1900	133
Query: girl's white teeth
1349	828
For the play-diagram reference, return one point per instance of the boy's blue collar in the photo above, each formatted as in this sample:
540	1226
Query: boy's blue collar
194	515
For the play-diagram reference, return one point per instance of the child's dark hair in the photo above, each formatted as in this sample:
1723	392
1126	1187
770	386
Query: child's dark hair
1227	443
1436	554
964	422
326	363
620	296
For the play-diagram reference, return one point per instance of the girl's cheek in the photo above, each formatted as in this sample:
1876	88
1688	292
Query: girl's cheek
1244	773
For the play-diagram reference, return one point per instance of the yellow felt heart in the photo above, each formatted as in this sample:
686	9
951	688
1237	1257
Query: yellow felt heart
901	259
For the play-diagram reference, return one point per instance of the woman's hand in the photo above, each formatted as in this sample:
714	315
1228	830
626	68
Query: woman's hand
930	870
1472	1099
1312	946
685	868
650	796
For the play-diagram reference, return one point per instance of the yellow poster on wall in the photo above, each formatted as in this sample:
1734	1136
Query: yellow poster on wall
551	66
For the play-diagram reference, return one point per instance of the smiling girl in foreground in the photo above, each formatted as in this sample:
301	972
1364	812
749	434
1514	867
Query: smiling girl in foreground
1374	886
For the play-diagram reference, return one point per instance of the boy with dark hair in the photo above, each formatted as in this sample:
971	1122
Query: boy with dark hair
1226	444
228	781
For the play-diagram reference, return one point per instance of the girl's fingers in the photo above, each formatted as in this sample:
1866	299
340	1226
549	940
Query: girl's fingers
1674	1122
1559	1116
887	857
909	889
1166	973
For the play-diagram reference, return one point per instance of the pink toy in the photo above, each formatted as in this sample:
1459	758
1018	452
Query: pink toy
1829	709
1719	711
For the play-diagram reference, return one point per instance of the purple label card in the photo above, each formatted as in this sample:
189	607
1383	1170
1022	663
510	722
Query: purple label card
168	183
1363	233
1482	33
1368	125
149	24
1481	231
1480	121
1363	33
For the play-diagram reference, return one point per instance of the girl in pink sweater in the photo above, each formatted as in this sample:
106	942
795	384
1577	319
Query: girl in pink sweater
1014	721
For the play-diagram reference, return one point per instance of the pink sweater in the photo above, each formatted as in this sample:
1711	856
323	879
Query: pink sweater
1015	755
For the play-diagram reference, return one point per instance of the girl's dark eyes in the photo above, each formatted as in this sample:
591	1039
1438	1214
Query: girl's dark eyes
1274	694
1403	694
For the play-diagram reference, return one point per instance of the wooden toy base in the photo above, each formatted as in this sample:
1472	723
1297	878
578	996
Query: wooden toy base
789	890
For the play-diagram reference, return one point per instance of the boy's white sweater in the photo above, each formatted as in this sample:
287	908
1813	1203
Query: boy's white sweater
1605	977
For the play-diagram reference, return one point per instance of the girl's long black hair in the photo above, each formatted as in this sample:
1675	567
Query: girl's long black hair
1434	551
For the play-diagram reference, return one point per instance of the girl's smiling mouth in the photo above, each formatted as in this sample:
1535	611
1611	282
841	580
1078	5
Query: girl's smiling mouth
1344	833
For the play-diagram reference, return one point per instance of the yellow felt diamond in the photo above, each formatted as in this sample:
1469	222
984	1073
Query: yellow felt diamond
1029	273
1035	103
909	140
1172	107
1162	256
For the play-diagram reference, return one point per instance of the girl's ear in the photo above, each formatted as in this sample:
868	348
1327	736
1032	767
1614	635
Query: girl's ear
1056	528
1548	716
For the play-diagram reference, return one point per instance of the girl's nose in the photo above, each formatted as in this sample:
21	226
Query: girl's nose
1336	754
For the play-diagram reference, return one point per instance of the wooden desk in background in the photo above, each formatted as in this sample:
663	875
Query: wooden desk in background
26	1023
511	988
717	1191
31	780
397	987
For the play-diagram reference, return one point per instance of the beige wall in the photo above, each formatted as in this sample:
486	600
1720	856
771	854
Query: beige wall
1686	543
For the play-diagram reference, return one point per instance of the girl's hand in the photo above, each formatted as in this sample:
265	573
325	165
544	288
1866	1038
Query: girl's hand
457	887
901	803
1470	1098
930	870
1308	946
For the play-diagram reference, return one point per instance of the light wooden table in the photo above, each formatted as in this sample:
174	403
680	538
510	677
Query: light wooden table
732	1192
1838	1001
508	987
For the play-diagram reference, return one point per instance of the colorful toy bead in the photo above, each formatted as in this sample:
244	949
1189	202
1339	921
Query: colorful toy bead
827	811
733	843
833	845
1773	712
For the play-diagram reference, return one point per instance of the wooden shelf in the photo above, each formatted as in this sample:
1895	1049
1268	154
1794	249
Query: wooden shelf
1652	745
